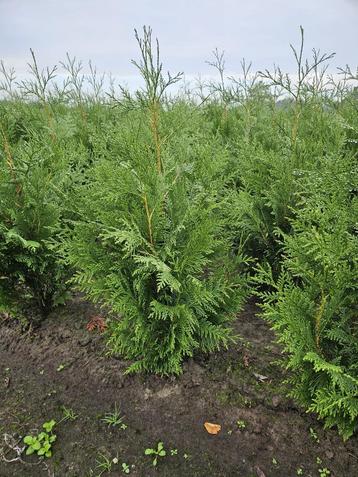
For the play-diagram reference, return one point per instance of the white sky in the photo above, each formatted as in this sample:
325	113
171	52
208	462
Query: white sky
188	30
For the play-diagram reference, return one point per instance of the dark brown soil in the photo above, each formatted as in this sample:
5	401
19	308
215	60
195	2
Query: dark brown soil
244	384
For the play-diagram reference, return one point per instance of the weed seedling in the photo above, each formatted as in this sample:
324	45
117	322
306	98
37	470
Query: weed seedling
68	414
104	464
324	472
114	419
248	402
173	452
314	435
125	468
41	443
299	471
48	426
158	452
241	424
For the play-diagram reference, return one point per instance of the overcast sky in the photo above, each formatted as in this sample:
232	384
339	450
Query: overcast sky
188	30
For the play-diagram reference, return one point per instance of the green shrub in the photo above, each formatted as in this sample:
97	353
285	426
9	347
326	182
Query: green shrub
281	129
154	201
150	242
31	212
313	306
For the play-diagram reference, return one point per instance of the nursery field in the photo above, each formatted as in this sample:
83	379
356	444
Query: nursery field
178	271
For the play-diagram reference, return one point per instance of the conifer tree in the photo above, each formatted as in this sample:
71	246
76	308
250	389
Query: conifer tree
150	242
312	305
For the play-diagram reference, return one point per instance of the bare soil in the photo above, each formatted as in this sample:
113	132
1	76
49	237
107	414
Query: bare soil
63	364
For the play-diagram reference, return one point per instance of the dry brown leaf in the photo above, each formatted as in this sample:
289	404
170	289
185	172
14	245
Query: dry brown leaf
246	360
212	428
96	323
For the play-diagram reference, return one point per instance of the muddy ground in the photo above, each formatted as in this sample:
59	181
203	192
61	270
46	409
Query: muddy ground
263	433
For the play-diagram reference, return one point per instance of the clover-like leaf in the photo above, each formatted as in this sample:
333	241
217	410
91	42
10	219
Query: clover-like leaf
36	445
48	426
30	450
47	446
29	440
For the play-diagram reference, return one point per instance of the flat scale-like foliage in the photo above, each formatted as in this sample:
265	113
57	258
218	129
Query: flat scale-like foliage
313	306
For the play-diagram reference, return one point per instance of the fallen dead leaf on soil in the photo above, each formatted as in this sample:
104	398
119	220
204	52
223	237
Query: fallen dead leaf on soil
96	323
212	428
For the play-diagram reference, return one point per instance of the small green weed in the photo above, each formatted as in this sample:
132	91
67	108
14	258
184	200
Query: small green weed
126	468
104	464
113	419
41	443
68	414
314	435
241	424
324	472
158	452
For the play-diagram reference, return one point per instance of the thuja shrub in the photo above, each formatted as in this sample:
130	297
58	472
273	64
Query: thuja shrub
312	305
32	183
150	242
268	179
284	129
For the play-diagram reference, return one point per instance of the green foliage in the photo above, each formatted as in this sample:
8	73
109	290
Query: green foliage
267	173
105	464
270	181
312	306
41	443
150	243
241	424
324	472
158	206
68	414
113	419
33	183
159	451
154	249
